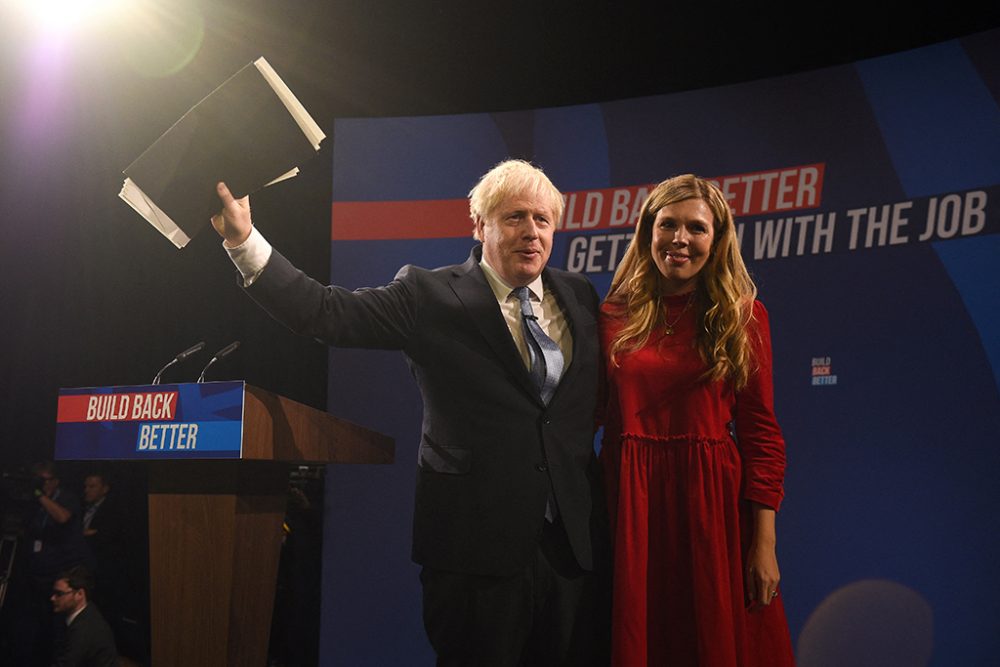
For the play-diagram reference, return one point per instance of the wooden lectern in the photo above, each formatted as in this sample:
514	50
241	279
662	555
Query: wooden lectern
214	517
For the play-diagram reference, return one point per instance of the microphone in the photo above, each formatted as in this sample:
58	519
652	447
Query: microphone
179	358
221	354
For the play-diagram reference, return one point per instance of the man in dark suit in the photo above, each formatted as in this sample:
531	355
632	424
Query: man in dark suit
508	518
103	531
88	641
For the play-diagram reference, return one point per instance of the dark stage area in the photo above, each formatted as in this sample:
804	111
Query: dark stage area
93	296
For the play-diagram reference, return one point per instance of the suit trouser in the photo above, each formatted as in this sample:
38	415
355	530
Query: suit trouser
551	613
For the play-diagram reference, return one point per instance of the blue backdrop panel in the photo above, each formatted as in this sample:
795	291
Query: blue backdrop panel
883	300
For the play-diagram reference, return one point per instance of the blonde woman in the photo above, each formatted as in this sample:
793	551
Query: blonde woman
693	455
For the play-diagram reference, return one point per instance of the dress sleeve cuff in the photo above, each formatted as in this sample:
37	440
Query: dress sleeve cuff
767	498
251	256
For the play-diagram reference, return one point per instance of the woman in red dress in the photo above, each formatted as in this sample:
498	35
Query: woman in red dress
693	455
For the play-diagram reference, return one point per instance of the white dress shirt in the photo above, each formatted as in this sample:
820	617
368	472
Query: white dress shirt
251	256
543	305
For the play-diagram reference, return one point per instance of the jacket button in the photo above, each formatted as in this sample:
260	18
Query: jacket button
541	467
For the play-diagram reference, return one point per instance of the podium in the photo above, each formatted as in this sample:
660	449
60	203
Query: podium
218	484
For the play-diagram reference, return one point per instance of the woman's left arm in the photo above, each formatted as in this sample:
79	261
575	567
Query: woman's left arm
762	450
762	575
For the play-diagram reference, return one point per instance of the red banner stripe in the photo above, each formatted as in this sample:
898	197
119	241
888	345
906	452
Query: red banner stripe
751	194
387	220
72	409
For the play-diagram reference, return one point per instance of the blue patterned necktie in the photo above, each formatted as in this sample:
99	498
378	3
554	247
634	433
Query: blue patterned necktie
545	356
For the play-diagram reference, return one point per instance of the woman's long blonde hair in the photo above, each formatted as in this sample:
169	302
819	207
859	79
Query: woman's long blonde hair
723	298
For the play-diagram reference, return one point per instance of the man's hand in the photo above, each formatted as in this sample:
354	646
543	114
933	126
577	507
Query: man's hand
58	513
233	222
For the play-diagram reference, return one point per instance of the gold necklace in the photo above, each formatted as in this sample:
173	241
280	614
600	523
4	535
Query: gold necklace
670	325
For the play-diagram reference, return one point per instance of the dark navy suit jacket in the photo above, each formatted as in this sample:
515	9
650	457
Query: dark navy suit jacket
88	642
489	446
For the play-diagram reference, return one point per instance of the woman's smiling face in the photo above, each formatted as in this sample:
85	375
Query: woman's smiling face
682	243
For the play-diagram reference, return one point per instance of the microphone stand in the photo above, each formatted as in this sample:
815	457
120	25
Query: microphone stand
179	358
224	352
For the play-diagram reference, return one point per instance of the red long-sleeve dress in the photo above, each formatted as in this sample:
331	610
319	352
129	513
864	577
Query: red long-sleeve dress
679	491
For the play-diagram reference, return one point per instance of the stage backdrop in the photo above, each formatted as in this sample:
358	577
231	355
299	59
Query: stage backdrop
868	202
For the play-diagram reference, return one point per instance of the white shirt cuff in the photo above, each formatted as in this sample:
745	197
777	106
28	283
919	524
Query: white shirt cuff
251	256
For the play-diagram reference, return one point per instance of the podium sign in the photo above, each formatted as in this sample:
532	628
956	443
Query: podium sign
214	525
151	422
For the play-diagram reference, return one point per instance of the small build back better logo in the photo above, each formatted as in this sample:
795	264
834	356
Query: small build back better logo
821	372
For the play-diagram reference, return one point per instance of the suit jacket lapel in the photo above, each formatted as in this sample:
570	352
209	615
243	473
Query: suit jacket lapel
573	312
471	288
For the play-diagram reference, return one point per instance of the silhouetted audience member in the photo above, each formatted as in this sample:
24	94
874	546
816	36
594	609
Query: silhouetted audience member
104	528
115	528
55	529
295	628
87	640
54	543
